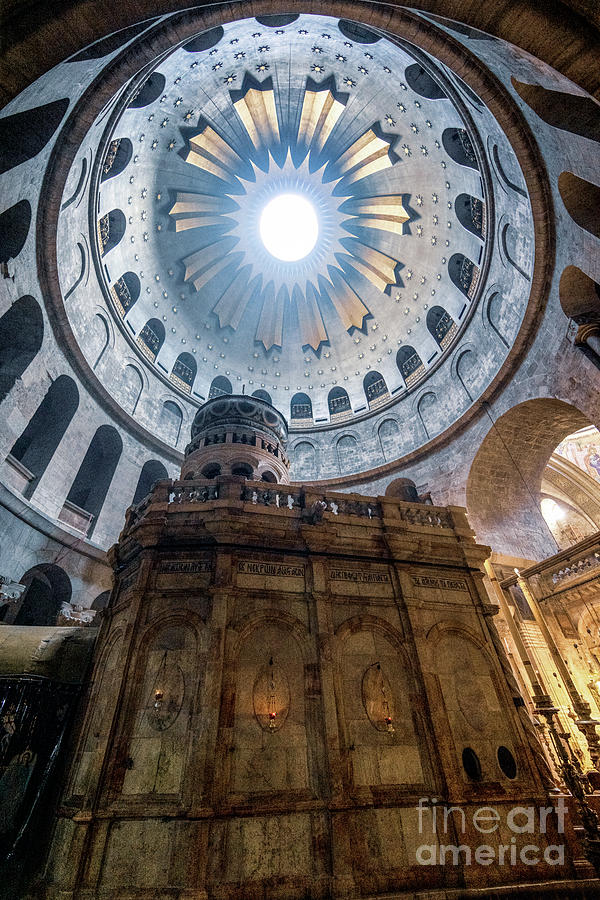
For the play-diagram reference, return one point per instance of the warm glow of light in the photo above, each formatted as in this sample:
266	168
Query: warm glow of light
289	227
551	511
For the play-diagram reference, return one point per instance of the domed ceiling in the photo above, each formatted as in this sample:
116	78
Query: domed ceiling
378	142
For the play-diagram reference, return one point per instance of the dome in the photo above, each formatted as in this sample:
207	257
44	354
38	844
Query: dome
389	156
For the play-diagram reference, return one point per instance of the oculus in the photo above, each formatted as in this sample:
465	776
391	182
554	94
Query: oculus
289	227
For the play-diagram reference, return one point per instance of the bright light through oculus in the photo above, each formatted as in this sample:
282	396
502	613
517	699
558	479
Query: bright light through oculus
289	227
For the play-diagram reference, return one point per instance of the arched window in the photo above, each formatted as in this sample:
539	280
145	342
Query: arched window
14	228
150	91
375	389
571	112
458	146
441	325
262	395
151	338
422	83
582	199
301	410
184	372
152	471
339	404
37	445
243	469
88	491
125	291
464	274
410	365
24	134
111	228
219	387
470	212
170	421
212	470
21	333
47	588
117	157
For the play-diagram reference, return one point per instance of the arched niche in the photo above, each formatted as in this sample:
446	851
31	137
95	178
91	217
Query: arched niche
338	403
470	212
220	386
441	326
37	444
111	228
496	315
125	292
389	439
428	411
304	459
474	704
159	712
21	333
301	410
151	338
469	371
403	489
152	471
105	684
570	112
410	365
99	338
582	200
262	395
503	488
374	687
90	487
422	82
375	388
14	228
118	155
184	371
24	134
347	454
131	387
458	146
170	421
273	722
464	274
47	588
579	295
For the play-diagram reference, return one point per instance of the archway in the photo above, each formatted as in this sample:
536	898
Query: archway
504	484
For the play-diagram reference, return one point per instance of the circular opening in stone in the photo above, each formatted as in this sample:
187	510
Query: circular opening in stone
289	227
